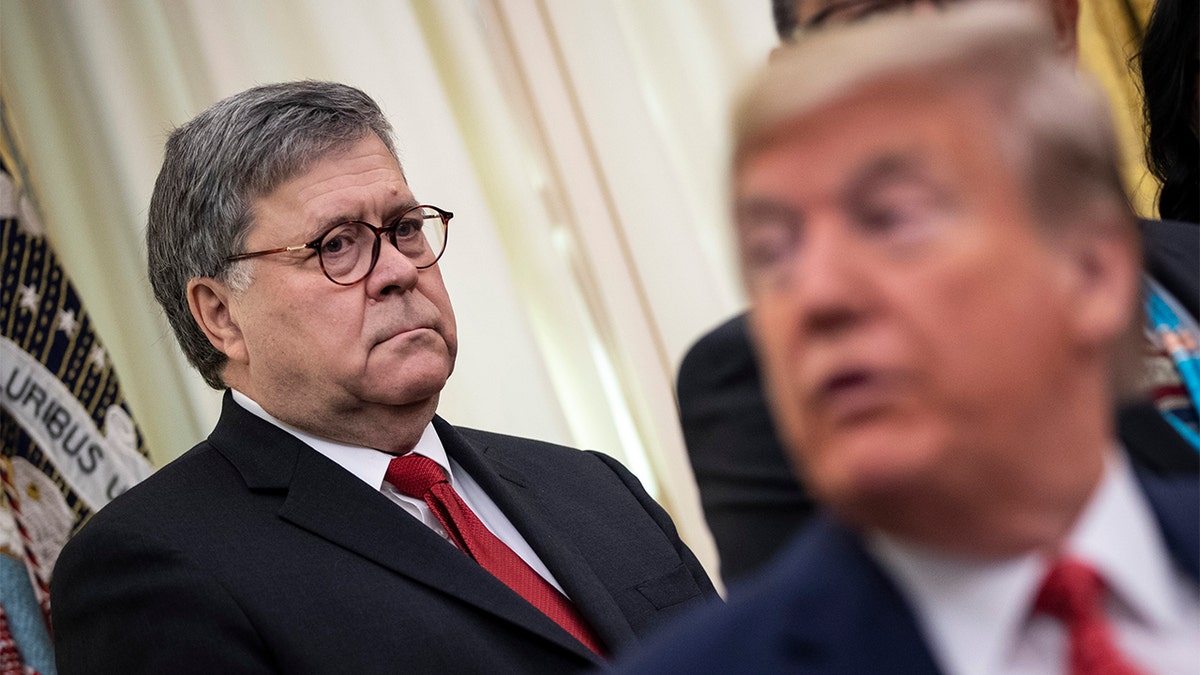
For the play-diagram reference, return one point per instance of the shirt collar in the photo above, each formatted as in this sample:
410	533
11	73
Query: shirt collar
972	610
368	464
1119	535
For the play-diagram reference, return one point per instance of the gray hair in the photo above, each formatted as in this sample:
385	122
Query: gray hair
214	169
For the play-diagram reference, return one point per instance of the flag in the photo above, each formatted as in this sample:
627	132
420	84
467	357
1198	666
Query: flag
68	443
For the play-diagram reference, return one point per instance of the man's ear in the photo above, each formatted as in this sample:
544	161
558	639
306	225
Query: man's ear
1065	14
209	301
1104	269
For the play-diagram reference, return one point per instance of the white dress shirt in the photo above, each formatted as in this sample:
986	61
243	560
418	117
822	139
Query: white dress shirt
977	615
370	465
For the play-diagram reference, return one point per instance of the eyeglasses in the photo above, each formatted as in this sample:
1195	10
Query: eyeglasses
348	251
847	11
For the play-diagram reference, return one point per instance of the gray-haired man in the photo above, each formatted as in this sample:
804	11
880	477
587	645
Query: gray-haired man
331	522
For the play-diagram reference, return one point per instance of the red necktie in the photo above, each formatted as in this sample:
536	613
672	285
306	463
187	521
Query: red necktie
1073	593
422	478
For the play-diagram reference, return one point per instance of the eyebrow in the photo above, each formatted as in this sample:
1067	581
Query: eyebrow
894	166
761	206
325	224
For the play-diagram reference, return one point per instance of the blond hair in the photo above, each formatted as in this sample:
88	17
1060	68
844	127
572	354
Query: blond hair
1051	121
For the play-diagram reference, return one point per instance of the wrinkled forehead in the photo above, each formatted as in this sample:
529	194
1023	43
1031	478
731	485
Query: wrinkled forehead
303	153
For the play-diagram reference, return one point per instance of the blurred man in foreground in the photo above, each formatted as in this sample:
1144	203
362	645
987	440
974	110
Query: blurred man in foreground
943	275
751	499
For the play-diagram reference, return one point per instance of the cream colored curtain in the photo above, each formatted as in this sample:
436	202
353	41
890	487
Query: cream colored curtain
1110	35
579	143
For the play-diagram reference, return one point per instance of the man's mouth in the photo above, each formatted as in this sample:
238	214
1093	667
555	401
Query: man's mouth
854	395
404	332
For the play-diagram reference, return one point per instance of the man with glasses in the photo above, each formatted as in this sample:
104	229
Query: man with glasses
332	522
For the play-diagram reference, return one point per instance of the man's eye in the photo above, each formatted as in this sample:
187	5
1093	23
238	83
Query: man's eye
886	218
338	242
900	214
408	228
767	245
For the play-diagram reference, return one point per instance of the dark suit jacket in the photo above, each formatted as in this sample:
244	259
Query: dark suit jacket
254	553
1171	250
825	606
1172	256
750	496
751	500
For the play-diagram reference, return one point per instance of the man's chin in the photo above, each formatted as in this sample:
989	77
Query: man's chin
415	393
414	385
874	500
874	465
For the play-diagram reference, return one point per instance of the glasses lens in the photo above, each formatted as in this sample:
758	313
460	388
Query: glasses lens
420	234
349	250
346	252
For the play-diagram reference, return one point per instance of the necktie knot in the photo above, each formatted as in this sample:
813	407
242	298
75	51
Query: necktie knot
414	475
1073	592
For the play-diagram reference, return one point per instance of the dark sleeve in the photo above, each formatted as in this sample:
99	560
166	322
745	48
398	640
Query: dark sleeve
664	522
123	603
1172	256
1152	443
751	498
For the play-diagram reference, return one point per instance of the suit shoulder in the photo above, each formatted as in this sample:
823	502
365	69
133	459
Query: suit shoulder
732	332
1176	504
176	496
755	627
1169	232
543	459
724	349
523	451
1172	256
494	439
141	518
1173	494
821	606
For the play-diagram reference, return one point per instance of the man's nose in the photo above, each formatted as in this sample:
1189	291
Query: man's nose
393	270
828	279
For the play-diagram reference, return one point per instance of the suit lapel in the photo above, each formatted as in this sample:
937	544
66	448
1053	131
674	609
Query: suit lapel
331	503
866	626
1176	505
517	498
